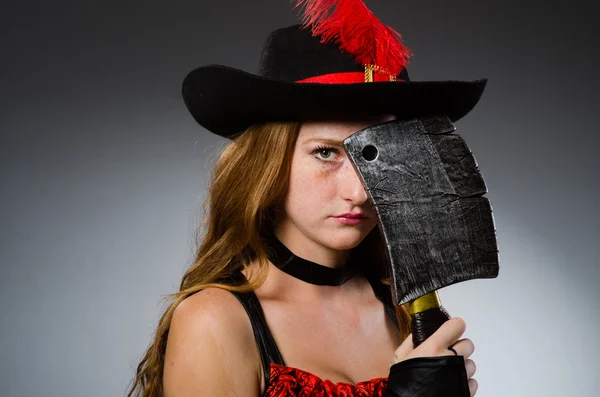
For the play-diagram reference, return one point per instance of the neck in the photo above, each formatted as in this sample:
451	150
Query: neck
281	286
306	248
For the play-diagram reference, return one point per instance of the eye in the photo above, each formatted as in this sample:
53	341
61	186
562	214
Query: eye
325	150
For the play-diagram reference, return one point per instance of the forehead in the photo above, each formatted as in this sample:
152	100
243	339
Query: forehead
337	130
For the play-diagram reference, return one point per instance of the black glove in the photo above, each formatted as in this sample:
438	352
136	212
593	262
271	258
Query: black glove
428	377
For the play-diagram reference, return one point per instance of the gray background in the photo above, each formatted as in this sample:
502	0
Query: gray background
103	173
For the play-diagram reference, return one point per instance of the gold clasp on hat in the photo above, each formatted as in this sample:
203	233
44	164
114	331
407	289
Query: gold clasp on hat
369	69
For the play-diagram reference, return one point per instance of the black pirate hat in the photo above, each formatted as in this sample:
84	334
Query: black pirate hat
337	64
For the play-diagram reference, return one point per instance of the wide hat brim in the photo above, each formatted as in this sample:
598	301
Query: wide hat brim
226	100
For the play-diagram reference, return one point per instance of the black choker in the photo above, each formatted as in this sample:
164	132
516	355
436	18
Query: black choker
306	270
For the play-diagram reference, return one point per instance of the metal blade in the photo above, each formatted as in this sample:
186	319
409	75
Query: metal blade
427	191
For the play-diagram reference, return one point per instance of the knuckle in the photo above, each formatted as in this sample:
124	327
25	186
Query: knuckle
460	322
473	386
469	343
470	366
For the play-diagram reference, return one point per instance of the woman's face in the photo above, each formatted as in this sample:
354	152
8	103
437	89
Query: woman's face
322	186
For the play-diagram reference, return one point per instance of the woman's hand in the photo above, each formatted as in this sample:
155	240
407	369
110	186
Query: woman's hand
437	345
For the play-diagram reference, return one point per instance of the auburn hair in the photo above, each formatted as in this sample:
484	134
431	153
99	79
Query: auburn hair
256	163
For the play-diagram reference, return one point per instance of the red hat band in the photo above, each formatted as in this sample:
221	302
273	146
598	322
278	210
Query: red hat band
352	77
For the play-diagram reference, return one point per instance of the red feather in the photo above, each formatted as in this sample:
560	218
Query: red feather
357	31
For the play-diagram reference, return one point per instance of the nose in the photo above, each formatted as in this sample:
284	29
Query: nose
352	188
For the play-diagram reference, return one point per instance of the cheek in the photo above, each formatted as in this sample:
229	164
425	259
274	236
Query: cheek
310	183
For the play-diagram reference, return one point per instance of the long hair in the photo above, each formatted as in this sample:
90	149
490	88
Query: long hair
256	163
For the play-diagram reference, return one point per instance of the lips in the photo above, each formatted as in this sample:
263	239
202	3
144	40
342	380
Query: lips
351	216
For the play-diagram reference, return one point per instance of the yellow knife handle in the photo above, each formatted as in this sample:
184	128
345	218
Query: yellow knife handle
427	315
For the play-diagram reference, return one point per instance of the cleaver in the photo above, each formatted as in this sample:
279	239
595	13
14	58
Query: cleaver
437	227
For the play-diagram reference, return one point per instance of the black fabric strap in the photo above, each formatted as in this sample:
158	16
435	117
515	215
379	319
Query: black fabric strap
306	270
269	353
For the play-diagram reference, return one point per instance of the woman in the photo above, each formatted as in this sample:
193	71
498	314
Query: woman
249	319
339	333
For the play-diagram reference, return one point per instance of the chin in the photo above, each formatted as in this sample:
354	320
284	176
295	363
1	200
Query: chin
347	239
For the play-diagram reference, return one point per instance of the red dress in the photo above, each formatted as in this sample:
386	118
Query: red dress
284	381
287	382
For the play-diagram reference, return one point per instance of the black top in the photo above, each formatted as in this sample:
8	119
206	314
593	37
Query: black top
264	339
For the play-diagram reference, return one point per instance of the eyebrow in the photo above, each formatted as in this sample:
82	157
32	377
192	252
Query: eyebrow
325	140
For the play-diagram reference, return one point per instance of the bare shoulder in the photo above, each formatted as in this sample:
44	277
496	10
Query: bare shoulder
211	349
